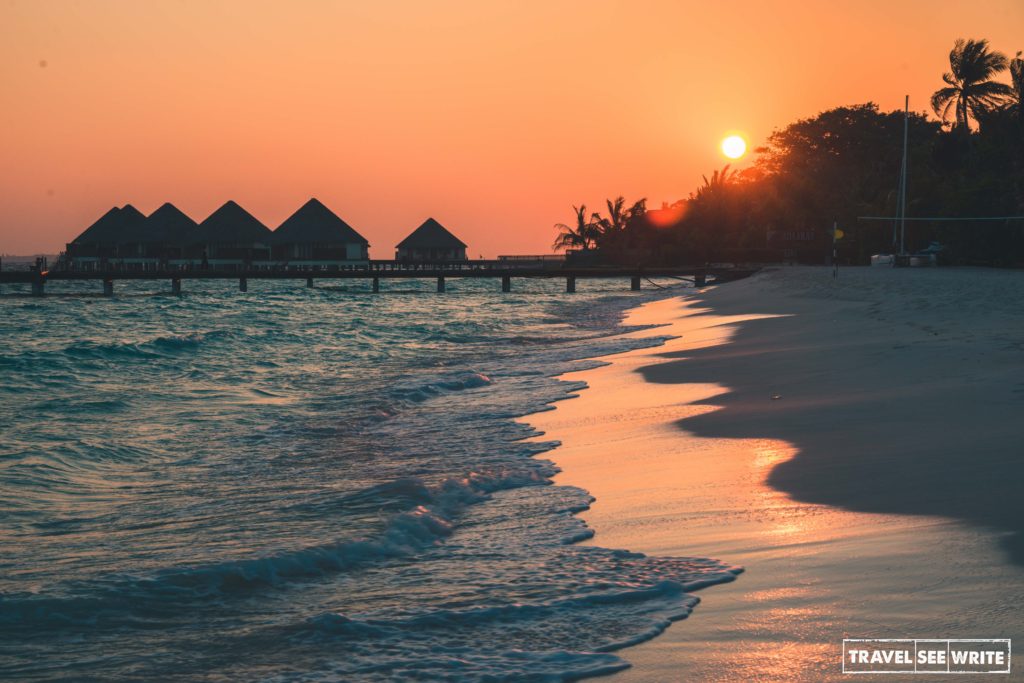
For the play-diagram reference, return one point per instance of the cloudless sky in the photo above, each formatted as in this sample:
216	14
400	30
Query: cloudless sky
493	117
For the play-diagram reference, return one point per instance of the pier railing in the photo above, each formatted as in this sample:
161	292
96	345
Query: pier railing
372	270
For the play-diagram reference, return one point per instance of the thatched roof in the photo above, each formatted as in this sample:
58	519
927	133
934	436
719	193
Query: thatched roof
169	224
314	222
233	224
431	235
116	225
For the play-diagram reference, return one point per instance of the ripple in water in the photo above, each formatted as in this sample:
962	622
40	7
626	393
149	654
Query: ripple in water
303	485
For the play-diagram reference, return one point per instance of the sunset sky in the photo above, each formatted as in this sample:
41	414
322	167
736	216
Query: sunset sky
493	117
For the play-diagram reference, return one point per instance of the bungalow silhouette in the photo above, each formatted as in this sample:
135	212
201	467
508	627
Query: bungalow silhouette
131	246
105	239
431	242
316	236
233	236
312	237
171	236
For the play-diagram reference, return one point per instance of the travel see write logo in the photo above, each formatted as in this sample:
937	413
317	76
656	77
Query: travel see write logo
934	656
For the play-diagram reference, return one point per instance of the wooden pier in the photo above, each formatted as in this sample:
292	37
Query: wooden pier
375	271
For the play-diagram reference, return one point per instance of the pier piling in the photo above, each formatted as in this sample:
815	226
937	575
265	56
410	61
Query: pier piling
375	271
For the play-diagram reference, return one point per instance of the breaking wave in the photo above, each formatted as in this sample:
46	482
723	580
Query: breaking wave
310	486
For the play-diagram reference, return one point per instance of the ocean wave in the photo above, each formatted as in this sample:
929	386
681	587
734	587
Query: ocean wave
314	483
405	534
145	349
115	600
423	392
82	362
668	594
93	406
566	631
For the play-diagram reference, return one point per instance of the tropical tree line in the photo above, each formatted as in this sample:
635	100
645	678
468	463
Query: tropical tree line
841	167
591	231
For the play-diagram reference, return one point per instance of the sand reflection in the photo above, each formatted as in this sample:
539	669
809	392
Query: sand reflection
815	573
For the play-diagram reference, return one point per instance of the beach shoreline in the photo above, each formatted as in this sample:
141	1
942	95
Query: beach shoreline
758	436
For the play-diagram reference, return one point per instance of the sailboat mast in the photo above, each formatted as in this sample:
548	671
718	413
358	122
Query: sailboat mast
903	178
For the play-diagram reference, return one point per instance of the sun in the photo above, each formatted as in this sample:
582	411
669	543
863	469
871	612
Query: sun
734	147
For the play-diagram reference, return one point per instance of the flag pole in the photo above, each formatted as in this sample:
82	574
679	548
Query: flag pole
835	253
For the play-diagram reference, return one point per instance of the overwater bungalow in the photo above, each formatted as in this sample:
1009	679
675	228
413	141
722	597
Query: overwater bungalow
133	240
233	236
107	239
314	236
431	242
172	237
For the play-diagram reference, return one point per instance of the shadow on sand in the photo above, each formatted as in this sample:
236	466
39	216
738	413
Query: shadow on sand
888	417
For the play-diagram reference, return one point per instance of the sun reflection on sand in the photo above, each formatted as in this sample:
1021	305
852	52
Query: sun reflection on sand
767	454
660	490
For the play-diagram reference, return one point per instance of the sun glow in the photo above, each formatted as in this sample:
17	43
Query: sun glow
734	147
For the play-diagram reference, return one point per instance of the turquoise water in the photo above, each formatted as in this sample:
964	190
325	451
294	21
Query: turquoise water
307	484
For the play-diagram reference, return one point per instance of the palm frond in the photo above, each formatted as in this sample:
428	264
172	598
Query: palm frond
970	91
1017	76
943	100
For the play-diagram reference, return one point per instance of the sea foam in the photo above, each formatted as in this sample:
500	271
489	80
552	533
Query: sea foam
309	486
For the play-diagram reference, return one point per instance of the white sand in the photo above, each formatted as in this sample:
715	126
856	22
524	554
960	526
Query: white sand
886	408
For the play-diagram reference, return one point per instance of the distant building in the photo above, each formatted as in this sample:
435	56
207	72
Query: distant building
132	239
108	239
314	235
431	242
807	245
171	236
233	236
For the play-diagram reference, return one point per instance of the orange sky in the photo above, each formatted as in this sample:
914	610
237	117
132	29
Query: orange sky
493	117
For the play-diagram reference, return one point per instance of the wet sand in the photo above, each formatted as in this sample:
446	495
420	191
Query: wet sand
856	445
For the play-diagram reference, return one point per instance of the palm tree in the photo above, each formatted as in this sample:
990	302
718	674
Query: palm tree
615	221
637	210
580	237
1017	78
969	89
619	216
720	180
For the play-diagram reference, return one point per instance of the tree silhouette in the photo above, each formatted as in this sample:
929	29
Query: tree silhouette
613	233
619	217
714	187
1017	78
579	237
839	166
615	221
969	90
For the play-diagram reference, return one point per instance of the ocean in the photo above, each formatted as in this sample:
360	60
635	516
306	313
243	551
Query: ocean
301	484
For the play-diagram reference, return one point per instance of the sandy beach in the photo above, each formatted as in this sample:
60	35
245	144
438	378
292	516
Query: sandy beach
854	444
